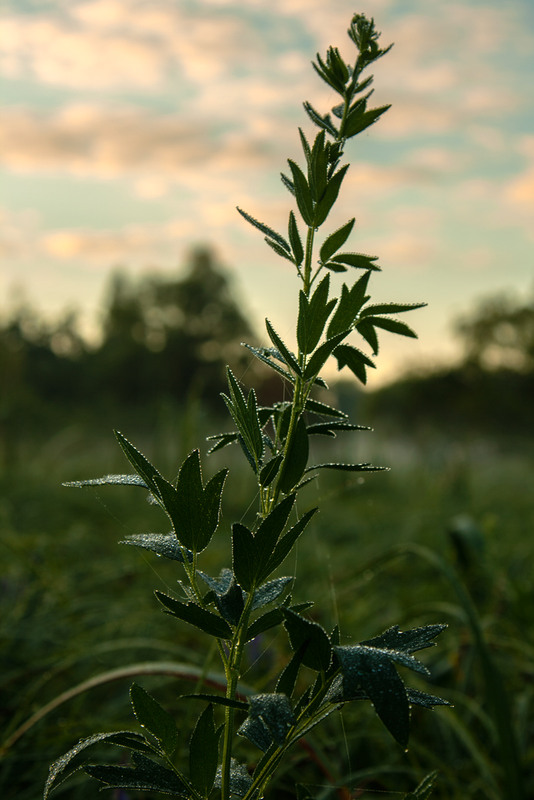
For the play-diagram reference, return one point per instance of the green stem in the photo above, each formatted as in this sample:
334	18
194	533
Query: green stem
233	672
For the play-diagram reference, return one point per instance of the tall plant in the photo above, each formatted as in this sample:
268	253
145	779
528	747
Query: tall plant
249	597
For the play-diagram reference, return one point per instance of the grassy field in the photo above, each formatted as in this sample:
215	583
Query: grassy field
445	536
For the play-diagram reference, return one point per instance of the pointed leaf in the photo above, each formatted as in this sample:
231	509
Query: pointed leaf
263	354
269	591
302	193
329	197
256	731
109	480
147	775
323	122
392	325
408	641
372	671
336	240
268	534
243	552
285	545
289	358
390	308
128	739
288	677
296	458
295	240
154	718
279	250
195	615
138	461
269	232
366	329
163	544
275	711
204	752
218	700
315	407
357	260
321	355
269	471
301	631
349	306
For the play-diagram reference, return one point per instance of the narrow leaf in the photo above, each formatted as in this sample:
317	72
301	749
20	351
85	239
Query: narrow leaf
195	615
147	775
336	240
243	556
390	308
296	458
154	718
329	197
269	232
138	461
392	325
163	544
295	240
302	193
321	355
204	752
289	358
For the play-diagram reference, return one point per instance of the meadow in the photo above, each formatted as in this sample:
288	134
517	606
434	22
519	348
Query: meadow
445	534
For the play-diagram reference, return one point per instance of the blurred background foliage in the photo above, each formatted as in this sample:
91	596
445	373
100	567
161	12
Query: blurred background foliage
445	536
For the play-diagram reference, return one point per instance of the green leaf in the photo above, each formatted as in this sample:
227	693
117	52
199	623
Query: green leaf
329	197
358	122
336	240
366	329
268	534
418	698
279	250
243	551
373	671
407	641
269	591
295	240
264	354
348	306
317	169
109	480
256	731
245	416
392	325
199	617
269	471
289	358
322	122
240	780
302	193
154	718
296	458
146	775
285	545
222	439
305	633
128	739
141	464
349	356
164	544
364	467
322	409
390	308
204	752
313	314
275	711
288	677
357	260
321	355
329	428
218	700
272	618
269	232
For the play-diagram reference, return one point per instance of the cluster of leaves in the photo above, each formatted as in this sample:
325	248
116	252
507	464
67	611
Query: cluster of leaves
245	600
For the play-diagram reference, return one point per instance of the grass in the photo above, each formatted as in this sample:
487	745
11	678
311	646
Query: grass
63	569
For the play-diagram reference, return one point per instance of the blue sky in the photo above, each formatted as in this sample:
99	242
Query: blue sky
131	129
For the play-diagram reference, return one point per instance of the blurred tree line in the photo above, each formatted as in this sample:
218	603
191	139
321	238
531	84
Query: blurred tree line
490	390
162	337
167	339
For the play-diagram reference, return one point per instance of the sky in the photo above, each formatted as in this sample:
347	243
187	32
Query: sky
131	129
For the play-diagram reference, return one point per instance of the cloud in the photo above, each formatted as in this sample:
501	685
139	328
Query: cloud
108	44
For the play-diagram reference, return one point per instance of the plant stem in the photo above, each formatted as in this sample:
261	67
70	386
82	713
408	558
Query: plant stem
233	672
